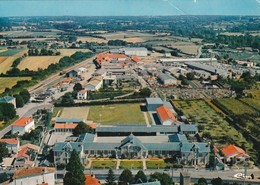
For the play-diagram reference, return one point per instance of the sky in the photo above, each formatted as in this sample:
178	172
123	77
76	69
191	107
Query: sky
127	7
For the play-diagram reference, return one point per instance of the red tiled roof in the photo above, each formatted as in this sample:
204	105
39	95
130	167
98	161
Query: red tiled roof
23	153
11	141
165	113
83	91
22	122
108	56
26	172
30	146
232	150
92	125
65	125
136	59
91	180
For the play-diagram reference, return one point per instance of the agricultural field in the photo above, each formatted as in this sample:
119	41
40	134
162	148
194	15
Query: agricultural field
134	39
127	35
253	102
91	39
211	122
236	107
69	52
131	164
73	112
7	63
117	114
38	62
15	34
10	82
186	47
2	59
10	52
103	164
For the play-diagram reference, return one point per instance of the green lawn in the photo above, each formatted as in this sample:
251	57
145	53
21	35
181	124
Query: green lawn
116	114
131	164
155	164
103	164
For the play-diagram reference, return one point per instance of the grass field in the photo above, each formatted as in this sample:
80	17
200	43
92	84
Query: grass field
186	47
117	113
51	33
252	102
134	39
37	62
156	164
11	52
131	164
10	82
236	107
74	112
69	52
213	123
2	59
103	164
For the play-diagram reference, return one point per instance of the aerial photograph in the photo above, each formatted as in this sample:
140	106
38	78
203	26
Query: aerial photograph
129	92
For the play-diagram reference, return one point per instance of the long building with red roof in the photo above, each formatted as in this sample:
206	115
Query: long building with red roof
232	151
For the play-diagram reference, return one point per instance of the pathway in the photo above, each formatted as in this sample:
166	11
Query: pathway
146	119
144	164
88	166
118	163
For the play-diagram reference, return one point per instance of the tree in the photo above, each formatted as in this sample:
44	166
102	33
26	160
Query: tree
75	171
126	177
164	178
217	181
19	100
145	92
202	181
82	128
3	151
190	76
77	87
3	177
110	180
25	95
7	111
67	99
140	177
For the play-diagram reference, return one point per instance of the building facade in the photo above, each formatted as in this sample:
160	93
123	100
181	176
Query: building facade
23	125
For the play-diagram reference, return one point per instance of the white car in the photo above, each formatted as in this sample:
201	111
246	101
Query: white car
242	176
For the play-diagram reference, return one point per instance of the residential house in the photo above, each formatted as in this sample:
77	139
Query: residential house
82	95
12	144
165	115
33	176
232	151
94	84
23	125
26	155
8	99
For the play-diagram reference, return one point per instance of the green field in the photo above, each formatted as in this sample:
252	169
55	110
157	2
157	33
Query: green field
236	107
211	122
255	103
11	52
156	164
117	114
103	164
131	164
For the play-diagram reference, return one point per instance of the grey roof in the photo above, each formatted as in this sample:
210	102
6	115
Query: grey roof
202	147
154	101
168	105
205	67
6	99
72	145
100	146
86	137
162	146
166	76
188	128
178	138
140	128
69	120
131	139
149	183
134	49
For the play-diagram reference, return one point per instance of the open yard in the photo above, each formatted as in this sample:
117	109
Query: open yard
74	112
69	52
131	164
211	123
103	164
38	62
116	114
10	82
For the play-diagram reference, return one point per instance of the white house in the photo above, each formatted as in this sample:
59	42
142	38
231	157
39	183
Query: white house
12	144
82	95
94	84
33	176
165	115
23	125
